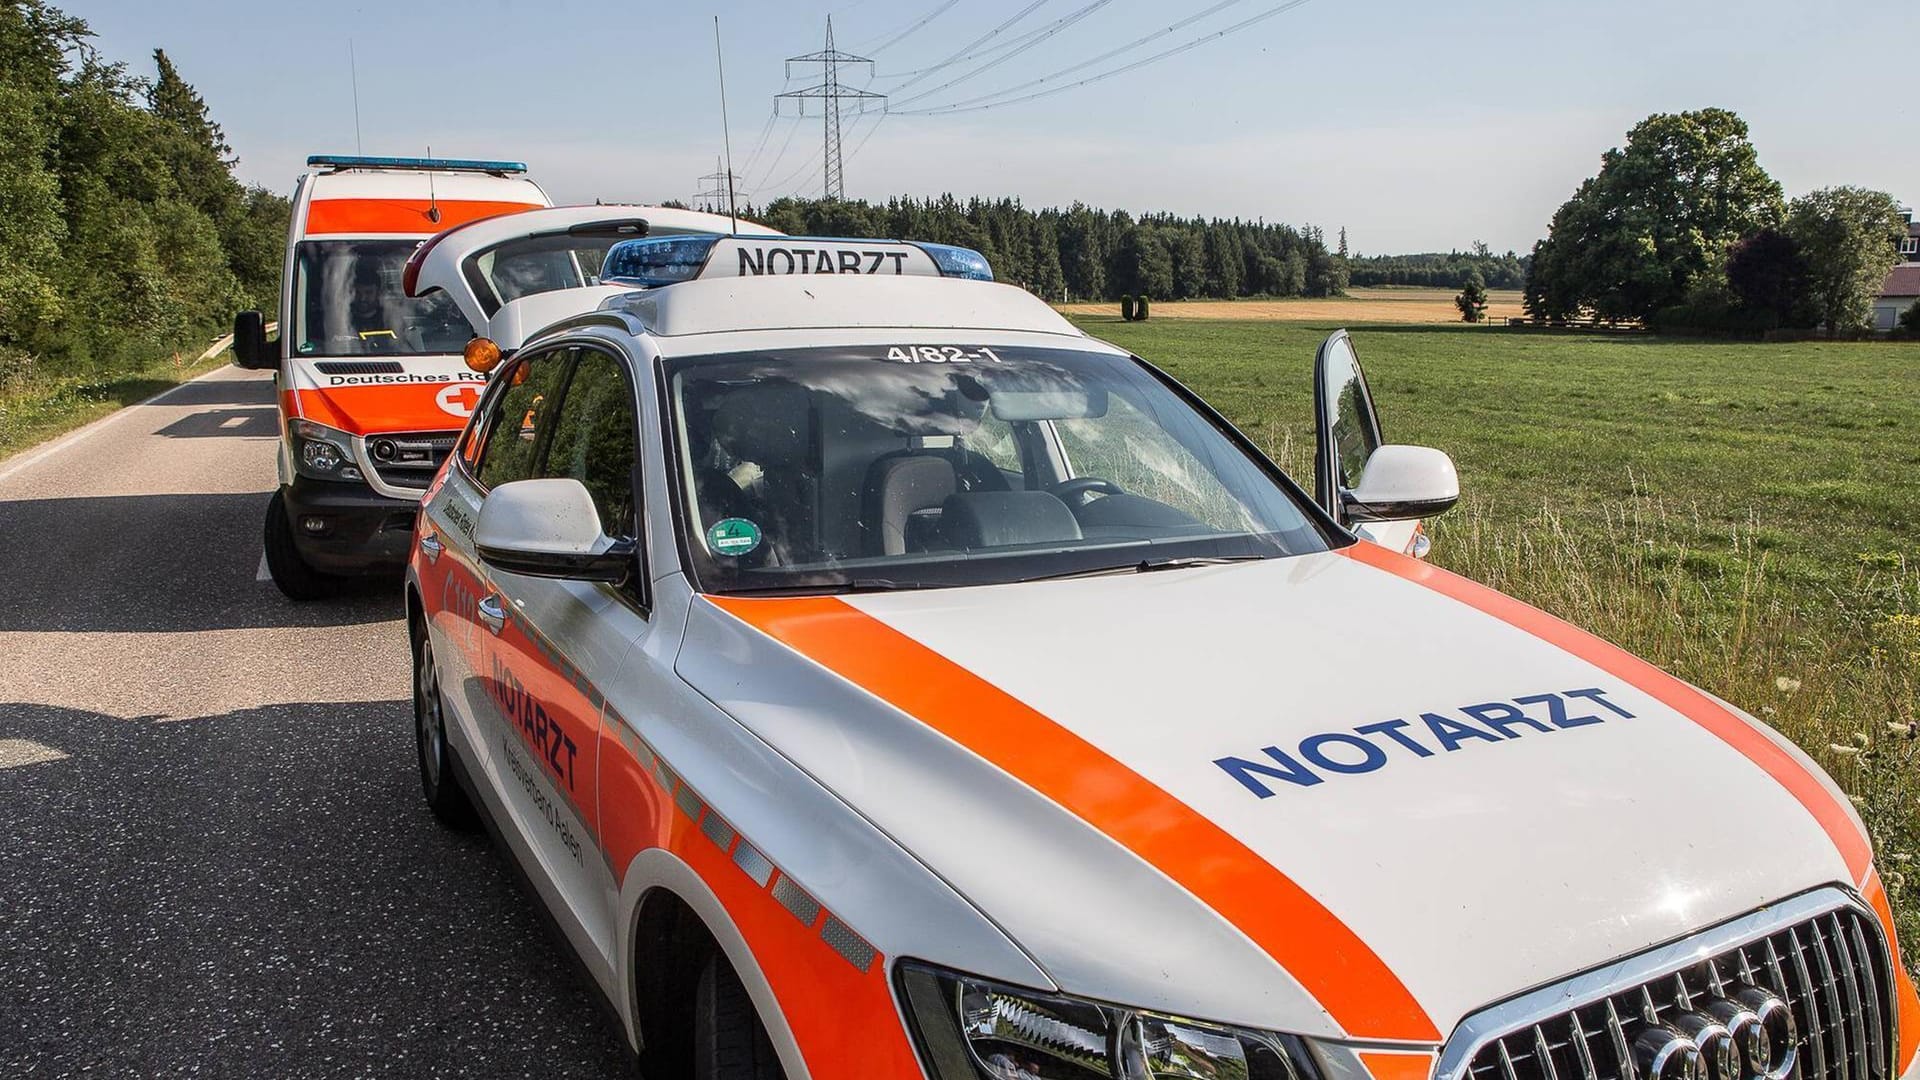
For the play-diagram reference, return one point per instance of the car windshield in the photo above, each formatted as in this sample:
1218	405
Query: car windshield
347	301
911	466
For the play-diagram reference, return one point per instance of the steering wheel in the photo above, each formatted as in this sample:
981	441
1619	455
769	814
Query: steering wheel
1074	492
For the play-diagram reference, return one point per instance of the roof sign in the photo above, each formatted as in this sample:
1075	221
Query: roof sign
664	261
352	161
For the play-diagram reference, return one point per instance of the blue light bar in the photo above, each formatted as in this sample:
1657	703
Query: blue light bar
957	261
660	261
349	161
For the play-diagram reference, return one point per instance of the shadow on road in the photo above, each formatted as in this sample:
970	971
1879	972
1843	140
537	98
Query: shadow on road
258	421
155	563
208	392
263	893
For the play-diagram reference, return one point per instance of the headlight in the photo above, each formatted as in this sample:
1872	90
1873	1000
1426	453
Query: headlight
322	452
971	1029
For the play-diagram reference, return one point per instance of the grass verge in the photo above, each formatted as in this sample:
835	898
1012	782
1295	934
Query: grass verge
35	407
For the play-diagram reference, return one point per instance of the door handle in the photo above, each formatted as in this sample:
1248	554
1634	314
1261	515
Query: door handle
493	614
431	547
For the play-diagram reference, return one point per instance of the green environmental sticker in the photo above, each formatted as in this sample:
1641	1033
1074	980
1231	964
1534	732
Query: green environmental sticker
733	536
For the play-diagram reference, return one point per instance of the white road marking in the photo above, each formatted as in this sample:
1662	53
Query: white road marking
96	427
262	573
17	752
233	422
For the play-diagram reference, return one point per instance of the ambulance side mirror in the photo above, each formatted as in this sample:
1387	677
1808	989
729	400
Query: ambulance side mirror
1400	483
250	347
549	528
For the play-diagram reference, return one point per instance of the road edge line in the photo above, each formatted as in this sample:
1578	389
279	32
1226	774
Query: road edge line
30	458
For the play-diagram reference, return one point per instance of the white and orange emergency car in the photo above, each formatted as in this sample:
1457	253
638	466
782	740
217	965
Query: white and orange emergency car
878	677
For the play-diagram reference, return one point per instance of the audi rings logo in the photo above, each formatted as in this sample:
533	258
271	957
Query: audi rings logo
1747	1035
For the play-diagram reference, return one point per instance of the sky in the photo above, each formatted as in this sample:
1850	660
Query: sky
1416	126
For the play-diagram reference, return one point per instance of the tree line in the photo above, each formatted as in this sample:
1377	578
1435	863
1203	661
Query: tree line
1082	253
1437	270
1683	229
123	233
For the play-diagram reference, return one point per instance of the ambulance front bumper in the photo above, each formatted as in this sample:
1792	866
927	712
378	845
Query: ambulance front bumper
349	528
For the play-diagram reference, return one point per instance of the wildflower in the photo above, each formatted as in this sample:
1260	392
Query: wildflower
1768	710
1787	684
1861	738
1900	856
1843	749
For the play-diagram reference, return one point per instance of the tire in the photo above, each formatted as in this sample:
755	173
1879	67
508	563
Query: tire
729	1042
434	754
290	573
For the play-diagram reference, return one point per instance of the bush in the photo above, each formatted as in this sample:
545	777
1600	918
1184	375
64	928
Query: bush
1472	300
1714	312
1126	307
1140	308
1910	320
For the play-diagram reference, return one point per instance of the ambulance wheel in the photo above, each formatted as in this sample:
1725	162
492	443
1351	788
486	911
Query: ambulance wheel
435	755
290	573
729	1042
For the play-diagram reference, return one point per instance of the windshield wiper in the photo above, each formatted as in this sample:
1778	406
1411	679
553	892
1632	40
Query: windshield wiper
1148	566
864	584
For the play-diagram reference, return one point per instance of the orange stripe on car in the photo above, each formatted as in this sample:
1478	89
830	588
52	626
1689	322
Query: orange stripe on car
409	216
1906	997
1669	691
1392	1066
1341	971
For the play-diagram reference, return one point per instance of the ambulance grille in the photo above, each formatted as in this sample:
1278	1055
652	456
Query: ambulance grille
1831	970
359	367
408	460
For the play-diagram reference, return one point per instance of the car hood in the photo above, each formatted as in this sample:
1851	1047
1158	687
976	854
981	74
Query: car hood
1343	794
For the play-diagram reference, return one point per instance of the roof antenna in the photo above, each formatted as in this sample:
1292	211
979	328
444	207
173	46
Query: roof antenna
353	70
433	201
726	135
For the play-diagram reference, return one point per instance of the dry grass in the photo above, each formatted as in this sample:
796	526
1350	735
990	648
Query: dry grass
1398	305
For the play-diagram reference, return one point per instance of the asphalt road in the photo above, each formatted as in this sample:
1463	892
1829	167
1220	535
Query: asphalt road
214	859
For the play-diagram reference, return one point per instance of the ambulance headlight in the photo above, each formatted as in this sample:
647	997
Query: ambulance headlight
971	1029
321	452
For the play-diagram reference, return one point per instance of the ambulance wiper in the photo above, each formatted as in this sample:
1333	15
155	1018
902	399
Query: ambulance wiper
1148	566
855	585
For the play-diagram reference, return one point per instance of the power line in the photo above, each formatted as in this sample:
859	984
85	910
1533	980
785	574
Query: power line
760	143
974	55
830	93
971	45
778	157
1039	36
967	106
917	24
1109	54
720	191
868	136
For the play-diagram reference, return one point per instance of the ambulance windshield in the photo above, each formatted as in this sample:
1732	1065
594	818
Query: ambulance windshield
348	302
910	466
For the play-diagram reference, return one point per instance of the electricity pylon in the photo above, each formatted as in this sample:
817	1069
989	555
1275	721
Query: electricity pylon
830	93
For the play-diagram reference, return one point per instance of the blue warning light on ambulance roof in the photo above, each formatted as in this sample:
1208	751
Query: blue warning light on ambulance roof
958	261
657	261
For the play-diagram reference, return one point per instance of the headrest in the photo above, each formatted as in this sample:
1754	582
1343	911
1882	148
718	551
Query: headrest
989	519
769	424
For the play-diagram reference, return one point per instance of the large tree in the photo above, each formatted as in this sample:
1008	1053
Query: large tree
1657	221
1850	238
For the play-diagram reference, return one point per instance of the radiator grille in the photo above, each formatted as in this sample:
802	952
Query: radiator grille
1831	969
408	460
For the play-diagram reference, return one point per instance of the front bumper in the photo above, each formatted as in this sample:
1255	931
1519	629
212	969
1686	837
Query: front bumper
349	529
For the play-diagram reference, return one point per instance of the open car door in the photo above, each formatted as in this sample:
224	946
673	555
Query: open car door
1380	491
514	274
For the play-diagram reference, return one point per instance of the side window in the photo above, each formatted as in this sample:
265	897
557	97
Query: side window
521	418
593	438
1354	427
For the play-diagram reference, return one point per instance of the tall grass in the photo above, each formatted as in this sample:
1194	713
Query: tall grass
1718	616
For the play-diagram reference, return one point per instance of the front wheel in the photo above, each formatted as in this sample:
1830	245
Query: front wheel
437	780
729	1042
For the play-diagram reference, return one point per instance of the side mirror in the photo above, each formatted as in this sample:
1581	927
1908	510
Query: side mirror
1401	483
250	342
549	528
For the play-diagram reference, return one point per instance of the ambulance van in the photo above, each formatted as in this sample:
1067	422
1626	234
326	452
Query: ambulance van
372	386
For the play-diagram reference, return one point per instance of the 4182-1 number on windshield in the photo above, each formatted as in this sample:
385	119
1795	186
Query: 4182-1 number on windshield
942	354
